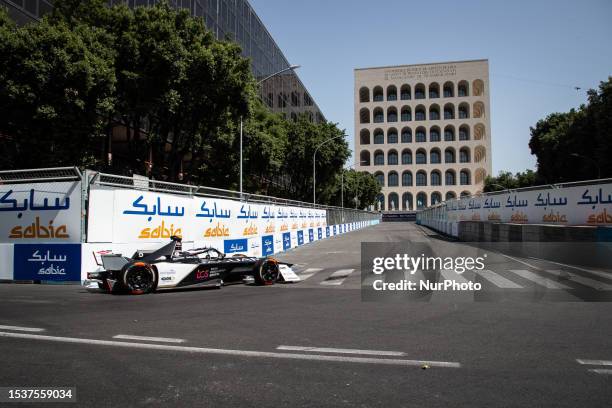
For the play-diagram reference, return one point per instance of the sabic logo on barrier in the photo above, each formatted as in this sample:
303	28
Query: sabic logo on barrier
552	217
250	230
494	217
270	228
519	217
284	227
294	226
35	230
218	230
600	218
161	232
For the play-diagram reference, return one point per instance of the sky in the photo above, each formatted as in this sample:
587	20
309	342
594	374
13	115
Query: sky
538	51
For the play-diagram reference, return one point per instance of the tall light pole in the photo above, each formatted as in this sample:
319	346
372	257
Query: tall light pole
314	168
289	68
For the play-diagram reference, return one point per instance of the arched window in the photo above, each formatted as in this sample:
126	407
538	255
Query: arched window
392	114
449	155
405	92
450	196
463	89
436	198
450	178
478	87
379	136
364	136
420	135
407	178
380	202
364	158
380	177
434	156
392	135
419	91
449	89
421	200
393	179
436	178
449	111
364	115
464	155
421	178
434	112
406	156
407	201
392	157
421	157
464	132
479	110
406	114
480	154
434	90
465	193
434	134
378	94
379	158
406	135
364	94
391	93
464	111
464	177
379	116
449	134
419	113
393	202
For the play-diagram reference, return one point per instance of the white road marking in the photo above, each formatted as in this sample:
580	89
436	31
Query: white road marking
146	338
342	351
540	280
240	353
337	277
604	371
523	262
605	275
592	283
19	328
594	362
498	280
450	274
308	273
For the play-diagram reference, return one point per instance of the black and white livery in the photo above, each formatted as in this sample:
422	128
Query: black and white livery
170	267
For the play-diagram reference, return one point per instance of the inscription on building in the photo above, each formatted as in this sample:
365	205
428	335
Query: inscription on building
421	72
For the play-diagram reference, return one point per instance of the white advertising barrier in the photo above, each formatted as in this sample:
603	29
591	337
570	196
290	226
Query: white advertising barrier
577	205
40	212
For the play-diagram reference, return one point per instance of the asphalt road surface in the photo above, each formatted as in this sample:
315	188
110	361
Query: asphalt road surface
531	339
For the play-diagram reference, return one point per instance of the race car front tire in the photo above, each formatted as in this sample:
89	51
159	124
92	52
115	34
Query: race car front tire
266	271
139	278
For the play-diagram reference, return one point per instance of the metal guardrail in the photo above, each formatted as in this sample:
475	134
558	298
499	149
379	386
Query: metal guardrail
40	175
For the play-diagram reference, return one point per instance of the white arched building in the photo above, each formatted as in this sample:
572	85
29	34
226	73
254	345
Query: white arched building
424	130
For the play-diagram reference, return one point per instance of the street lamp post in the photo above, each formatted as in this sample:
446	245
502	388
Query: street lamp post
314	168
289	68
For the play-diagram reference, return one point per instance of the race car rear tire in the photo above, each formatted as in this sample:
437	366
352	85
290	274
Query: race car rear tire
266	271
139	278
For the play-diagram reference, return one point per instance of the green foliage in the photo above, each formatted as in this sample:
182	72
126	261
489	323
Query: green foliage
506	180
56	87
360	189
576	145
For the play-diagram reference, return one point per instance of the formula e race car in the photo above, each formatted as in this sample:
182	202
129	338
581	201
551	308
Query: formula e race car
170	267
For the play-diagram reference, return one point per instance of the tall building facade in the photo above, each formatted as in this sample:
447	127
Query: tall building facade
424	131
228	19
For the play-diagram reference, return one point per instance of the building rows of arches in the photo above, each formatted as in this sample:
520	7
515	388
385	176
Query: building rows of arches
421	156
392	202
448	111
421	134
432	90
435	178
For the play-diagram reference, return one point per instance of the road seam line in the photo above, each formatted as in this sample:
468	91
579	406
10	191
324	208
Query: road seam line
19	328
342	351
241	353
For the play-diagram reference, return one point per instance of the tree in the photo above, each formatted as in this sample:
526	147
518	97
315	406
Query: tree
576	145
506	180
360	189
56	87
